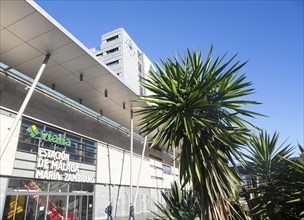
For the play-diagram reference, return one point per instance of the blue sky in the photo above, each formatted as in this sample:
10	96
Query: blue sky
268	34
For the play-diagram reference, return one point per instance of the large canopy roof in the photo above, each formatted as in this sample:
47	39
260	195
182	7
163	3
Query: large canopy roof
28	33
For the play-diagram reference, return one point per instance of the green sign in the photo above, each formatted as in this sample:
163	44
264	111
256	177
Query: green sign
49	137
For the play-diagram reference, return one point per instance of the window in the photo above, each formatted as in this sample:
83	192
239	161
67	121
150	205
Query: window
27	185
80	149
112	38
139	67
112	50
166	169
77	187
141	90
156	177
113	63
155	157
58	186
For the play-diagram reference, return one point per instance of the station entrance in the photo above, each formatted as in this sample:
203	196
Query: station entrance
44	200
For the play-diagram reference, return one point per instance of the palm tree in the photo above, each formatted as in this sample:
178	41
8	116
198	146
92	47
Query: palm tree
197	108
184	204
295	187
272	177
179	204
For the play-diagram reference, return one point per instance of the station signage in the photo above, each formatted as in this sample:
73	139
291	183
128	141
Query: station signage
48	136
54	164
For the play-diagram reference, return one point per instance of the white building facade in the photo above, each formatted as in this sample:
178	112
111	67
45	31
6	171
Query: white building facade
76	147
120	53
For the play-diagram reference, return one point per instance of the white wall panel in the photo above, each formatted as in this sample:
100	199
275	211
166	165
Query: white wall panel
24	173
116	165
3	186
8	157
102	164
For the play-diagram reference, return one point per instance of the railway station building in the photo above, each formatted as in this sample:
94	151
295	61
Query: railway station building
69	138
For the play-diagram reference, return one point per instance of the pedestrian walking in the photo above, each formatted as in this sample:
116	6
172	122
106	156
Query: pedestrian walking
131	214
109	211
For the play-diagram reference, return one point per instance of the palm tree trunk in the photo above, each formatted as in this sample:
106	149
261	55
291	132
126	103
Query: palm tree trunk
205	206
208	210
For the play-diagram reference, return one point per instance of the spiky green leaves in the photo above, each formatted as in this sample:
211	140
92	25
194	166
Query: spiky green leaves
277	185
178	204
198	106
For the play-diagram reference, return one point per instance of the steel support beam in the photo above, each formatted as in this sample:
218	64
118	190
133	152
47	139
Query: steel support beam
23	106
131	159
139	172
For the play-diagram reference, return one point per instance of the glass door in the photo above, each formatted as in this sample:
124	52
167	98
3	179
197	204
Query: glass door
31	207
9	210
41	207
15	207
84	207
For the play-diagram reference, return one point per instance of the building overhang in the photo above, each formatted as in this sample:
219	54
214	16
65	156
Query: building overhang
28	33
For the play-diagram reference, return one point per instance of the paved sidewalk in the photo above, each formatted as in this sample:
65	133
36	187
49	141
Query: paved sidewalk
143	216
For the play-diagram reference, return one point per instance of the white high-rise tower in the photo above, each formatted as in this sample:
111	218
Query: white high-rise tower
120	53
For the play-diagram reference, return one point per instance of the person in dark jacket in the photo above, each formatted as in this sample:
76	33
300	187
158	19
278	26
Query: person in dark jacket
109	208
131	214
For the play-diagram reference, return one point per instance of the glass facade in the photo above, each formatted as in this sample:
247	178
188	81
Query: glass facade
29	199
34	197
80	149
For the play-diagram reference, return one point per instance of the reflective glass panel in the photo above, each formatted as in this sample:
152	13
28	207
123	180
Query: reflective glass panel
84	208
31	207
34	134
41	208
56	207
59	187
75	187
77	206
26	142
90	207
72	208
27	147
9	208
87	187
20	207
27	185
34	185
